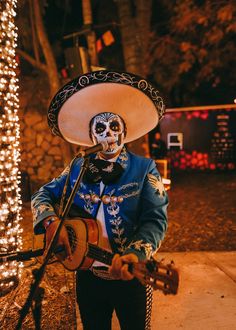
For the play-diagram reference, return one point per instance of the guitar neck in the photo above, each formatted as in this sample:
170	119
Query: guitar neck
99	254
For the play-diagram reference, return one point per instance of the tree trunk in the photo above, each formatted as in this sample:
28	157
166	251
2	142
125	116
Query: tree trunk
34	33
129	33
134	34
52	72
47	51
50	67
91	37
143	22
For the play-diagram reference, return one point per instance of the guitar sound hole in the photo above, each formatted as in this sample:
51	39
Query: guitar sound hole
72	238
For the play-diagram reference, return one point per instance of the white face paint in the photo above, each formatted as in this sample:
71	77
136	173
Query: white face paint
108	125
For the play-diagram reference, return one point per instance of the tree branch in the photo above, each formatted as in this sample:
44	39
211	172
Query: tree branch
31	60
33	29
47	50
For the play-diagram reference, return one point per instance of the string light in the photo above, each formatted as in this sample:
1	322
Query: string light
10	199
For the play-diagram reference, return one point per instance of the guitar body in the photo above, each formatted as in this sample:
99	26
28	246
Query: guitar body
84	237
80	232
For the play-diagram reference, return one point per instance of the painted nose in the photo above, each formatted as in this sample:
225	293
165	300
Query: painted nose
108	134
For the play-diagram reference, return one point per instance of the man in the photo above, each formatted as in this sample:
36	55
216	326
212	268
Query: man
121	191
158	147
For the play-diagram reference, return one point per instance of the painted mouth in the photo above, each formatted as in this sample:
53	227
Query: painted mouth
112	146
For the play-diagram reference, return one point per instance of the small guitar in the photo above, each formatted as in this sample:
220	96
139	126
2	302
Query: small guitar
83	237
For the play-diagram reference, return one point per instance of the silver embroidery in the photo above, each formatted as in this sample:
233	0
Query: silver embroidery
109	168
156	184
123	158
44	207
93	168
118	231
138	245
132	194
82	185
113	209
128	185
112	192
36	211
88	202
89	207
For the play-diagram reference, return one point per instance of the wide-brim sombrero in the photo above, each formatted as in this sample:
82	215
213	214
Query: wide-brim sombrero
128	95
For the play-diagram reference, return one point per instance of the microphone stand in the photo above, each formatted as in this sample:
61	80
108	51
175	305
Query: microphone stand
37	304
38	274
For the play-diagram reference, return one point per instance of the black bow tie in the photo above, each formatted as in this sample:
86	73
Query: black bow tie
103	170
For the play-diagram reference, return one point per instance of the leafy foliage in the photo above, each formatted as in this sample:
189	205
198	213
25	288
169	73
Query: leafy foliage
196	51
192	44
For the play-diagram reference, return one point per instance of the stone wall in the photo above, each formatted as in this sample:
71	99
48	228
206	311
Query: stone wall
42	154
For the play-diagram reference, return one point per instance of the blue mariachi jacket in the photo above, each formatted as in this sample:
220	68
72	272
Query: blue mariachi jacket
134	207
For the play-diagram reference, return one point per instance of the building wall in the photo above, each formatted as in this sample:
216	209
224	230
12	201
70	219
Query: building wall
202	148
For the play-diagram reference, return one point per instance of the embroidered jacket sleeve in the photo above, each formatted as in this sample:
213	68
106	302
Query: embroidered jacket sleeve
43	202
152	216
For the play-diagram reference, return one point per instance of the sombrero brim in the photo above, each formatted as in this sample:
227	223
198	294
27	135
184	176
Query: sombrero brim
129	96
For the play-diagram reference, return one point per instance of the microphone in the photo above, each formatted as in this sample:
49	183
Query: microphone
103	146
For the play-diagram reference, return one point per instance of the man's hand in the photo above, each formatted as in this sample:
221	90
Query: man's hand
120	264
62	240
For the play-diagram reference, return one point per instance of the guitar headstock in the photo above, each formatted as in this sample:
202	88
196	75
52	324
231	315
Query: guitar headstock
160	276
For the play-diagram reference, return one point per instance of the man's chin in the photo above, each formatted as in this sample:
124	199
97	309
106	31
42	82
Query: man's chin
111	151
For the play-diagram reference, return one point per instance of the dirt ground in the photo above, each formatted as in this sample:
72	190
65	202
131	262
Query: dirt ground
202	212
202	217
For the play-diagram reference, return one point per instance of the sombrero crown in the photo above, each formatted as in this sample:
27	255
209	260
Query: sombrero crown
127	95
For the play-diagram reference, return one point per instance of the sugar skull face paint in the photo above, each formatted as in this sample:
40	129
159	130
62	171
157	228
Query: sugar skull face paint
108	125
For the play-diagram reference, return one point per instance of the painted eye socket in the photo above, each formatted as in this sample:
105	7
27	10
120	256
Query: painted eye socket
115	126
100	128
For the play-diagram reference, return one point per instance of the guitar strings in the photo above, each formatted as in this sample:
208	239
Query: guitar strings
106	257
95	253
94	250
